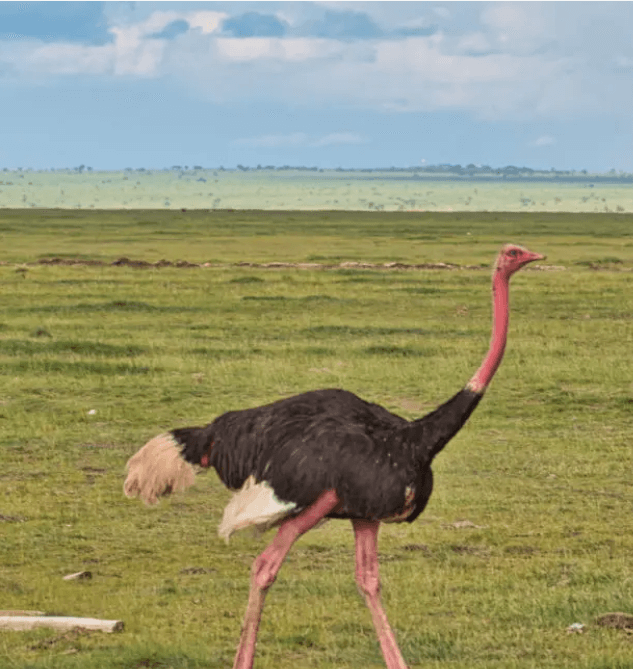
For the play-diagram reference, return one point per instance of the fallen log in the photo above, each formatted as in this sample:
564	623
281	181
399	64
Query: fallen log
80	575
64	623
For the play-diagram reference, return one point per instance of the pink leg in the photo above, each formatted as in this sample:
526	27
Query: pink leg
266	566
366	534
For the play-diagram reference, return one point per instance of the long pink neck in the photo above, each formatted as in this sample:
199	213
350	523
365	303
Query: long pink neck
500	297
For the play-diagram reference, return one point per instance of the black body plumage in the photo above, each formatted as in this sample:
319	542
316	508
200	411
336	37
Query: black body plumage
378	462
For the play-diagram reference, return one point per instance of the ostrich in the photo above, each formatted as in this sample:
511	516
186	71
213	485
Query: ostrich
322	454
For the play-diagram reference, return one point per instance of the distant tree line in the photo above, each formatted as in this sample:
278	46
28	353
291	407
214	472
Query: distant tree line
445	169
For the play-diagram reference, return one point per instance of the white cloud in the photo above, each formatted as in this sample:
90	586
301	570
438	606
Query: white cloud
425	60
413	74
274	141
624	62
442	12
300	139
522	60
519	27
339	138
68	59
132	52
544	140
275	48
473	43
206	22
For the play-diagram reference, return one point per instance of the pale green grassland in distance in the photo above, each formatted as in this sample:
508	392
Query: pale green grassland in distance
97	359
310	190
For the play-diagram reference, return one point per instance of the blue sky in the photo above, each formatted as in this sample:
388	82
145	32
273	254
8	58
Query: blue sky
327	84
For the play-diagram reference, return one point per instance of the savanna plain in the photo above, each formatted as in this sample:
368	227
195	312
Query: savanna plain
529	529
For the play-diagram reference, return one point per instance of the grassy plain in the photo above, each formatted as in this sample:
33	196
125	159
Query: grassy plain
97	359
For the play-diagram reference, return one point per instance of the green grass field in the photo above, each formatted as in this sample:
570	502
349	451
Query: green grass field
98	359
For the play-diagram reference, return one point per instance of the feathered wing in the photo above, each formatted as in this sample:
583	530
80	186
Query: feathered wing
302	446
254	505
282	456
158	469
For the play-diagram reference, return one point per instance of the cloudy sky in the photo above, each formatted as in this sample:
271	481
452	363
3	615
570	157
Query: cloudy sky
328	84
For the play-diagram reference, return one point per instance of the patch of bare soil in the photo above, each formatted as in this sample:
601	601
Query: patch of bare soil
67	637
185	264
617	620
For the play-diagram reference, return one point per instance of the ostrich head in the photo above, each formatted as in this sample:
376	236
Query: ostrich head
512	257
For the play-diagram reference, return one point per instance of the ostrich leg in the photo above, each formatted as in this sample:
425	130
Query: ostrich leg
267	565
368	580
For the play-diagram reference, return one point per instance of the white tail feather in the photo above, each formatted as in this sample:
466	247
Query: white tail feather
254	505
157	469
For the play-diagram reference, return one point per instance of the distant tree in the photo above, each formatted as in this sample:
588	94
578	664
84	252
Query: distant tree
198	167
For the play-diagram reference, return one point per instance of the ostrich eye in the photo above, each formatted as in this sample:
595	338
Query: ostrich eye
513	253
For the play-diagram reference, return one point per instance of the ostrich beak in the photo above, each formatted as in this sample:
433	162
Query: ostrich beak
531	257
